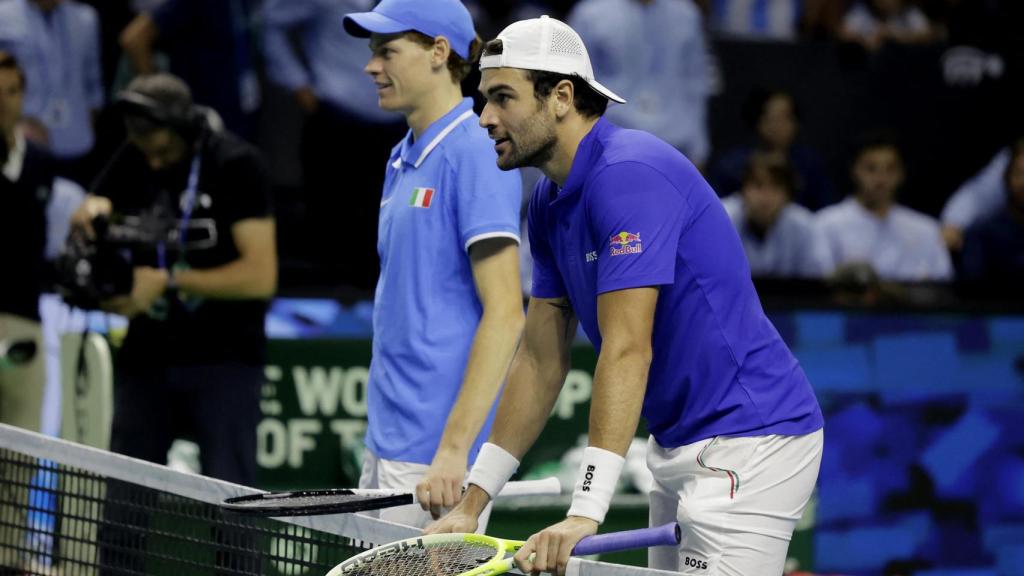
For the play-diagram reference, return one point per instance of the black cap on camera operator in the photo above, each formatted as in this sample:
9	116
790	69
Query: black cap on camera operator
191	363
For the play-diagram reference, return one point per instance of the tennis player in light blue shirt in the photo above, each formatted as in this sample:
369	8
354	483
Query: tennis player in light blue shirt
629	240
448	311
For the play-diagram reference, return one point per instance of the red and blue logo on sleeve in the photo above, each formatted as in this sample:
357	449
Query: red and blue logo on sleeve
625	243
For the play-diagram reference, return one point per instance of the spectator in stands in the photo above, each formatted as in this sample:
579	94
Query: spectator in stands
994	246
329	84
26	173
653	52
780	238
491	16
774	118
976	199
772	19
64	198
57	45
208	45
870	227
872	23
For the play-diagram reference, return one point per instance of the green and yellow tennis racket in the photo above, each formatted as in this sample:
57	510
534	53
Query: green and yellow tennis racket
479	555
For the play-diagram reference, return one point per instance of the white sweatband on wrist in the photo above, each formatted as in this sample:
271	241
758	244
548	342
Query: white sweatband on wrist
492	469
599	474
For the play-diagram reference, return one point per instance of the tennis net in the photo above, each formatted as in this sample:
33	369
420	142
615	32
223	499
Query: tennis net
71	510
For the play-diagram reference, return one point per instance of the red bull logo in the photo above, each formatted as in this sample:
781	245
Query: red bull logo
625	243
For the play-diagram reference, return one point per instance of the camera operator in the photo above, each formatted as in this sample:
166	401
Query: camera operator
191	364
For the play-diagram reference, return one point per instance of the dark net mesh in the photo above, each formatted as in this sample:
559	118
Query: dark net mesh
61	520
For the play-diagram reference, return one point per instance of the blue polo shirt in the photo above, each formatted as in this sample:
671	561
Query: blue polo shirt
634	212
442	192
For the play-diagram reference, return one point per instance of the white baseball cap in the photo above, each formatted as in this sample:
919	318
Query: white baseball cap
547	45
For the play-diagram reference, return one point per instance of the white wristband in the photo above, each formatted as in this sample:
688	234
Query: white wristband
599	474
492	469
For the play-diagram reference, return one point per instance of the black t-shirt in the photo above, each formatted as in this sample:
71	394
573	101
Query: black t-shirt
23	233
232	186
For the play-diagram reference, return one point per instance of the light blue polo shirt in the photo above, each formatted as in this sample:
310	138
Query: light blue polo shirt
634	212
442	193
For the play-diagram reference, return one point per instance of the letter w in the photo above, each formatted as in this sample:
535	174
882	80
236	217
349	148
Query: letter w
317	390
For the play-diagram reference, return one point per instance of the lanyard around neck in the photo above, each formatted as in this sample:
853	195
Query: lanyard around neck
188	204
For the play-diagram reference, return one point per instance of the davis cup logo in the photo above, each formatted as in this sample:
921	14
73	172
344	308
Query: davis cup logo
625	243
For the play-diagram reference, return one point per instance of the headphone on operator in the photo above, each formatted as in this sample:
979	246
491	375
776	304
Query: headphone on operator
185	119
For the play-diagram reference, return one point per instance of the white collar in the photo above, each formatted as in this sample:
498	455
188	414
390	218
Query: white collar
15	158
437	140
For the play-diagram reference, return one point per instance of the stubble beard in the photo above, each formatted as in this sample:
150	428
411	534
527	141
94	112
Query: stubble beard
536	147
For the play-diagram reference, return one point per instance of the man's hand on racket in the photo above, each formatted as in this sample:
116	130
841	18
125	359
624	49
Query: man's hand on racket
549	550
464	518
458	521
441	487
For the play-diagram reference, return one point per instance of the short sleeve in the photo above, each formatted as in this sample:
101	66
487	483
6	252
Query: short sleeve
547	281
245	187
487	199
636	216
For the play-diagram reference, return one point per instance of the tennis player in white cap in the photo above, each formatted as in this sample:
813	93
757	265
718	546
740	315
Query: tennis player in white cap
629	241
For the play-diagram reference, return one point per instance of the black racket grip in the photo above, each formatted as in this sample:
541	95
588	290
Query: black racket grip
665	535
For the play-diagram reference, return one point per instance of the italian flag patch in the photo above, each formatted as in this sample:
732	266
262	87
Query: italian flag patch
421	197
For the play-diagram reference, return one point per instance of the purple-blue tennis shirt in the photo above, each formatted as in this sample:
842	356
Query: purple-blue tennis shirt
635	212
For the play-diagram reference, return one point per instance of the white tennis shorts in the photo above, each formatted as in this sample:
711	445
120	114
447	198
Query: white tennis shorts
737	500
395	475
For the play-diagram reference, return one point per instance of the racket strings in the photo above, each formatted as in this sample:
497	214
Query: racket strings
444	559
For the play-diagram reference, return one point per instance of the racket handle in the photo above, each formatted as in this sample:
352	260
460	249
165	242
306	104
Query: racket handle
545	486
666	535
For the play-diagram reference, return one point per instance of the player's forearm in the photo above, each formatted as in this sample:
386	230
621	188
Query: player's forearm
494	345
243	279
620	381
527	401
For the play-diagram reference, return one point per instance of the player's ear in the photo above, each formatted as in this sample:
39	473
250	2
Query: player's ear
439	53
563	96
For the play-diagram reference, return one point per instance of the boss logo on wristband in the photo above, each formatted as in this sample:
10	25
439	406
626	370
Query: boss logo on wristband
599	474
588	478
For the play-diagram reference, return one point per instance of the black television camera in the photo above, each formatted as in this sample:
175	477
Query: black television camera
92	270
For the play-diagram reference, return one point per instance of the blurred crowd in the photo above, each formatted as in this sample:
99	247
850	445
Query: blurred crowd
255	62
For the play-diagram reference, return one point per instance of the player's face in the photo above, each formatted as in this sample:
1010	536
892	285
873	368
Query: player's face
763	200
401	71
777	125
878	174
11	96
1015	182
523	128
162	148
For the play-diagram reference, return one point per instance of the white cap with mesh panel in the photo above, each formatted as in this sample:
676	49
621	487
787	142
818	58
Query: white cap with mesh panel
547	45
